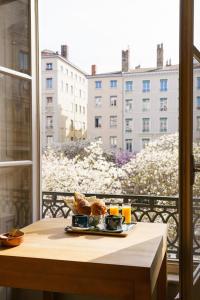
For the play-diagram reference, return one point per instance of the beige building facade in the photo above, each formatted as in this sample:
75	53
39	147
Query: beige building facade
147	104
64	99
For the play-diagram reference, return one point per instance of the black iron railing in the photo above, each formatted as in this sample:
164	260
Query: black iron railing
144	208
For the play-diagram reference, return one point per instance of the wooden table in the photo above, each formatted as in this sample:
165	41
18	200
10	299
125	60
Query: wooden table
132	267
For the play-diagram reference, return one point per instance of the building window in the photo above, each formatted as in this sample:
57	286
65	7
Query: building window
128	86
49	122
66	87
198	102
146	124
98	84
113	121
163	124
76	107
71	74
49	83
163	104
97	101
49	100
72	89
49	66
128	125
129	145
98	122
198	83
113	141
61	68
113	83
49	140
146	104
163	85
113	100
98	139
84	110
83	125
80	109
128	105
198	123
145	142
80	93
146	85
23	61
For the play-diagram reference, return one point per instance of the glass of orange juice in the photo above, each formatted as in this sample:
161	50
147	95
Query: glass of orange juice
126	212
114	209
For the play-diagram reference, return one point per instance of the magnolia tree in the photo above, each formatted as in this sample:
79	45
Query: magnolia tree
153	171
90	173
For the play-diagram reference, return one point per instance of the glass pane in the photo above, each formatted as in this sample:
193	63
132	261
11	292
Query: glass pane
15	197
196	186
15	118
197	23
14	35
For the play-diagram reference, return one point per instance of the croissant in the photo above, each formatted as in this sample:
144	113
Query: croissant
83	207
98	208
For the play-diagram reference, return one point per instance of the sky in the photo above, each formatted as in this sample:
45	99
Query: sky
97	31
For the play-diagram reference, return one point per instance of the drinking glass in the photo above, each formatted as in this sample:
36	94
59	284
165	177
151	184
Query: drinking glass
126	212
114	209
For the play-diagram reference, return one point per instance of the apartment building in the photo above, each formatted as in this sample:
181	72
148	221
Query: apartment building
146	104
64	99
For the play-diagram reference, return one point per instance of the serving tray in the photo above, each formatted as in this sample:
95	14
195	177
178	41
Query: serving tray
126	229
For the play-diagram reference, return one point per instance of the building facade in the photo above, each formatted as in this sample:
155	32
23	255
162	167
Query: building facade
64	99
146	105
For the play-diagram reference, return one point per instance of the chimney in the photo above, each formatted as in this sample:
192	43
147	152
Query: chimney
160	56
64	51
93	70
125	60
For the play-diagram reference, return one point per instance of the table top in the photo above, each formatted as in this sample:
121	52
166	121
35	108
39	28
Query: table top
52	260
46	239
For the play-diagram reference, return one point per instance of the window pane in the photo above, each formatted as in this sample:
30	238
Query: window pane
14	35
15	119
15	197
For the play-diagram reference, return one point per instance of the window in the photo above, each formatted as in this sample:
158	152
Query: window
49	140
80	93
146	124
61	68
128	145
49	66
163	104
113	83
83	125
128	125
49	121
98	84
113	100
146	104
128	105
128	86
163	85
62	85
98	122
76	107
84	110
198	83
49	100
66	87
145	142
198	123
71	74
97	101
113	141
49	83
80	109
198	102
72	89
72	125
23	61
113	121
98	139
163	124
146	85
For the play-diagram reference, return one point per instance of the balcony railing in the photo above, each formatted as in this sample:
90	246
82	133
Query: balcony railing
144	208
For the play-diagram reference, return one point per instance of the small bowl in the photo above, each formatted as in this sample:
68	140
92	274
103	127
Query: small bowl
10	241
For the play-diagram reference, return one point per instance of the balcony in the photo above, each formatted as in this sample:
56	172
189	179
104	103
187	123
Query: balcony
144	209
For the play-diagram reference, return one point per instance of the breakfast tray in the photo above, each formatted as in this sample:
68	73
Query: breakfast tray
126	229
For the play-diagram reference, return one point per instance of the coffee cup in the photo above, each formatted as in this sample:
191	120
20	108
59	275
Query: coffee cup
113	222
81	221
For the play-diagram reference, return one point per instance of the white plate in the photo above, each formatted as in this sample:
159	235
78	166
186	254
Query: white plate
79	228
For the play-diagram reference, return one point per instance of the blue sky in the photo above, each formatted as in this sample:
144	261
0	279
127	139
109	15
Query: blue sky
97	31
